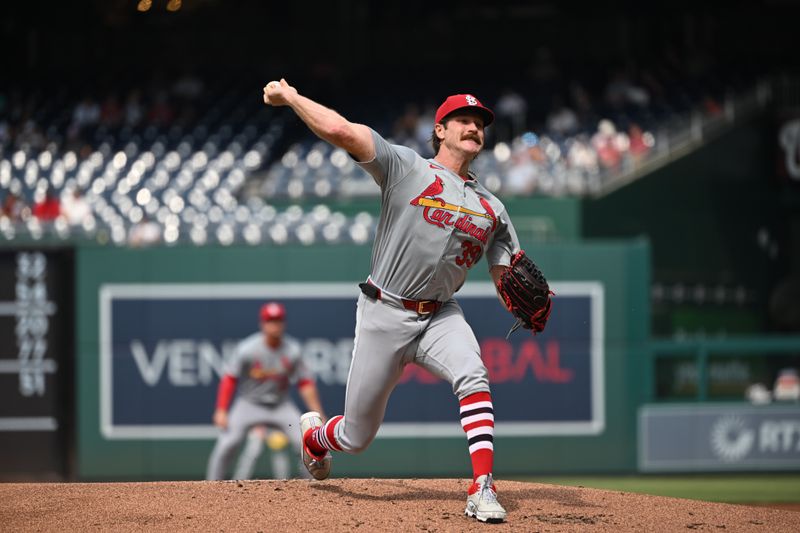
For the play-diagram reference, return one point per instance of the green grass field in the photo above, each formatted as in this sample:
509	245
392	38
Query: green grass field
756	488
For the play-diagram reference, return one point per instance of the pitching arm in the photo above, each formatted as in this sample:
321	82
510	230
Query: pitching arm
326	123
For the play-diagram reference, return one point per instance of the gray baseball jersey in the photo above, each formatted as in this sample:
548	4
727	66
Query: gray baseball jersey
264	374
434	226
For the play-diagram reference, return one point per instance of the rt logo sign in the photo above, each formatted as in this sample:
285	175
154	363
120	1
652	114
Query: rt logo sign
731	439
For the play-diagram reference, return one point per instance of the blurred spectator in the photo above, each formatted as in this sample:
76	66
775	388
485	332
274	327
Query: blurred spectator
74	207
46	207
615	91
405	127
640	142
29	137
581	156
85	115
638	95
711	107
144	233
111	113
520	179
188	87
582	105
511	111
621	92
528	162
13	207
134	111
787	385
161	112
609	144
562	120
654	87
758	394
5	131
425	126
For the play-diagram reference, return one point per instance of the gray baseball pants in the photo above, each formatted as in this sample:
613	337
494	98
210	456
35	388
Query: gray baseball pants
253	448
388	337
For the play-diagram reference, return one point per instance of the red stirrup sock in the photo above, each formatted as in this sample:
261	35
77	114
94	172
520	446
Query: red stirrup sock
477	419
322	438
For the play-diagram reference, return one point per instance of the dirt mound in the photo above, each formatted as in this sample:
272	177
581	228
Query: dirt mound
358	504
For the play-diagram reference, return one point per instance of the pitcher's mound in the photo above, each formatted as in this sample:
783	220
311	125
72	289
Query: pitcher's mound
359	504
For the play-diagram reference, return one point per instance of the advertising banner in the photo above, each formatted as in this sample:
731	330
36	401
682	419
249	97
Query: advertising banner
163	347
719	437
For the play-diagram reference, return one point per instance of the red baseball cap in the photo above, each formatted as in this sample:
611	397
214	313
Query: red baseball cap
272	311
462	101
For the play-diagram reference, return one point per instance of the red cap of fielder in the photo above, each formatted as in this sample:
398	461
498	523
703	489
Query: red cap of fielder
272	311
461	101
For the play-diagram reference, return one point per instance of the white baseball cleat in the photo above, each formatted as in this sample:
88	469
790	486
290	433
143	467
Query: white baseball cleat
319	468
482	502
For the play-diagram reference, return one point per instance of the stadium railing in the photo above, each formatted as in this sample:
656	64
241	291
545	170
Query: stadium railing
702	349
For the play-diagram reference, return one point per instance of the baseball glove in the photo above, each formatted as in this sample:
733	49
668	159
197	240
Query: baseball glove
525	293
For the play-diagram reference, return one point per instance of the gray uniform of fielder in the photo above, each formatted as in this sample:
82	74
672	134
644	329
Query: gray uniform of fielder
263	378
434	226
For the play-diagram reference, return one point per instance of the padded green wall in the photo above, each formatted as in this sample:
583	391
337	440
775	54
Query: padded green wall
621	266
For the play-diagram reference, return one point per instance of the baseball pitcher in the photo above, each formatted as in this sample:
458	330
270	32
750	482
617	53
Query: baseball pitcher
437	221
262	368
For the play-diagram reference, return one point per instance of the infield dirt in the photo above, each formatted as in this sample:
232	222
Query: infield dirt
359	505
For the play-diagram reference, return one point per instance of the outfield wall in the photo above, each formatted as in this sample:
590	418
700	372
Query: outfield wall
154	326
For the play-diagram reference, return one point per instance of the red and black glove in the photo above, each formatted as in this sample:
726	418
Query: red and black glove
526	293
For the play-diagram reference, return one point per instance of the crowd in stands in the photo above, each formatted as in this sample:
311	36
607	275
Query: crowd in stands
568	134
202	160
165	164
554	135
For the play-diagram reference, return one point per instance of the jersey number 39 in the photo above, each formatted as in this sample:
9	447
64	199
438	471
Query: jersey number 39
471	254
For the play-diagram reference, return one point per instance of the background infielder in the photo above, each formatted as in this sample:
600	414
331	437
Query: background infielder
436	222
262	368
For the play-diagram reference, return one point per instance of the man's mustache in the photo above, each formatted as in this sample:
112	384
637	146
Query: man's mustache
472	138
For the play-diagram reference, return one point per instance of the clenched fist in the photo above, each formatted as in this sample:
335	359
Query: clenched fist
277	93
